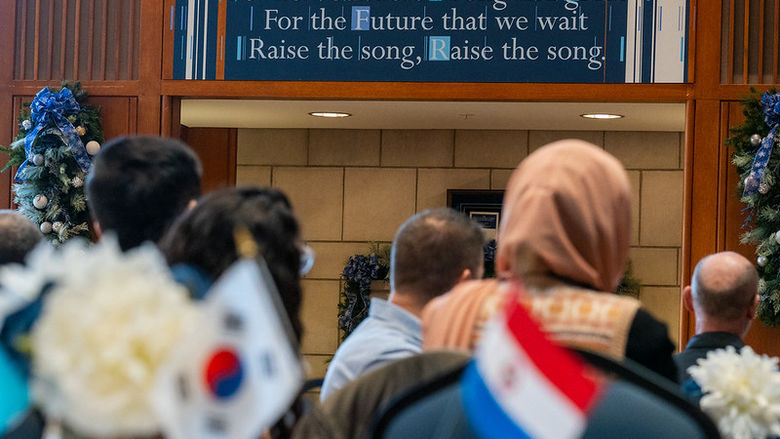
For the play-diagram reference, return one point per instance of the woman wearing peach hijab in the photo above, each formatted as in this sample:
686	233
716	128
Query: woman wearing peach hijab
565	234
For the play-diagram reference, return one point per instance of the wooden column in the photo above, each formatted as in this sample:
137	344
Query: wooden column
7	116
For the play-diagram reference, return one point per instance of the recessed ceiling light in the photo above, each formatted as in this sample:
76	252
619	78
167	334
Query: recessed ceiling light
601	116
329	114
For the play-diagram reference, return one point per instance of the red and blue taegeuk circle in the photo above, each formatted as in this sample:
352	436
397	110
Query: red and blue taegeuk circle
223	373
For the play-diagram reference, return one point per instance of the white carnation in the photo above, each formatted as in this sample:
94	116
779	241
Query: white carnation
106	328
741	392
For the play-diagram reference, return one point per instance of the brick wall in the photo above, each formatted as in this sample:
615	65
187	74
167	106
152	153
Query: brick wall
350	187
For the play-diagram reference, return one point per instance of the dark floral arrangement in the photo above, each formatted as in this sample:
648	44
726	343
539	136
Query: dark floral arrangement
356	285
490	258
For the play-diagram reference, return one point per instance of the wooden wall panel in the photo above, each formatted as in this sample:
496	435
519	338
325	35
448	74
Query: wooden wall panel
751	54
119	114
216	148
76	39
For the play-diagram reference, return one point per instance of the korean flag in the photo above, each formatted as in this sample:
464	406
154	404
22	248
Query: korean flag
238	373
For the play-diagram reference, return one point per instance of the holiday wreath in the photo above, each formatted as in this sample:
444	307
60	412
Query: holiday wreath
57	137
758	163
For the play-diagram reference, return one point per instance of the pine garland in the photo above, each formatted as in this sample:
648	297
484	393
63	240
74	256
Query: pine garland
56	175
763	206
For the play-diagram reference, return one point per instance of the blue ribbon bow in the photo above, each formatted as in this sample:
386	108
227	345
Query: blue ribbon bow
770	105
48	107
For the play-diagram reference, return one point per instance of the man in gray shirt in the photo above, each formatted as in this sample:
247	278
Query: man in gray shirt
431	253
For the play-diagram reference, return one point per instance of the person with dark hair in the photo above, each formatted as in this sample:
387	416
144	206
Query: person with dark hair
431	253
201	245
202	240
18	236
138	185
723	297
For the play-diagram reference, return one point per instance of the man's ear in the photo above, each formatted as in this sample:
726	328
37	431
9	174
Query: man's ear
191	205
466	275
753	308
688	298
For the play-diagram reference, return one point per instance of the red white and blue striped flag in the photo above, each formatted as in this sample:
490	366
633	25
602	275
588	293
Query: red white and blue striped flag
522	385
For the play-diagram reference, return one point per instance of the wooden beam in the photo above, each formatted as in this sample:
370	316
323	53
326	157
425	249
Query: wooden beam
103	88
430	91
686	266
7	116
150	66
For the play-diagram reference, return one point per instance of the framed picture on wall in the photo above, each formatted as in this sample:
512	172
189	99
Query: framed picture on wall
483	206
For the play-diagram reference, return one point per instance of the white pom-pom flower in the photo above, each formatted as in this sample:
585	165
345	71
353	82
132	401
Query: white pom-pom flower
106	328
741	392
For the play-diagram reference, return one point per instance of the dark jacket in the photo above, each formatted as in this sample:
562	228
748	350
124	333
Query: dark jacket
699	345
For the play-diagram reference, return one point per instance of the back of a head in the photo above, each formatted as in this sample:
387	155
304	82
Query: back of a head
139	185
18	236
431	250
204	237
724	286
567	212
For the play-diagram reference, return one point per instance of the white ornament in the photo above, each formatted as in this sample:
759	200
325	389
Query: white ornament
78	182
57	226
777	237
92	147
755	139
26	124
38	159
45	227
763	188
762	261
40	201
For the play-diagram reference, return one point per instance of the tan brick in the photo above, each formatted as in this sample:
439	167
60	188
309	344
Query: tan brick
661	208
635	178
655	266
376	202
644	150
316	196
489	148
344	147
417	147
253	175
499	178
663	304
331	257
319	316
272	146
537	139
317	365
432	184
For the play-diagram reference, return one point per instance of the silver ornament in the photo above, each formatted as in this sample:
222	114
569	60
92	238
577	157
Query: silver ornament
762	261
45	227
26	124
78	182
755	140
763	188
777	237
40	201
92	147
57	226
38	159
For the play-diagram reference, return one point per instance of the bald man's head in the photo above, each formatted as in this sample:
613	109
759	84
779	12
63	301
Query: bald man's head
724	286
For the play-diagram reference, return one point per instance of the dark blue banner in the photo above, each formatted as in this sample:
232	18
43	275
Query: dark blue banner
562	41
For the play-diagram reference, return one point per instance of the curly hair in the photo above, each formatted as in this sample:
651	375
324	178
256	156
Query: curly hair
203	237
